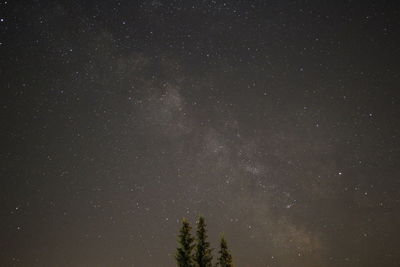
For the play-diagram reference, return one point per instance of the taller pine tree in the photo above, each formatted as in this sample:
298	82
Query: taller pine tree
203	257
184	257
225	258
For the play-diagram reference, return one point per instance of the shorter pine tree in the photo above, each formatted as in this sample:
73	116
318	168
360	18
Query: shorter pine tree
225	258
184	256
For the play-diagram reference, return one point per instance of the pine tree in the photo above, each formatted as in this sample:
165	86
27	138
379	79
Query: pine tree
184	257
203	257
225	258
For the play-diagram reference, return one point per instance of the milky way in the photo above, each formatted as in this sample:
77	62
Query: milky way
275	120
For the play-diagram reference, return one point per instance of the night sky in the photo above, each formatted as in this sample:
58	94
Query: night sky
276	120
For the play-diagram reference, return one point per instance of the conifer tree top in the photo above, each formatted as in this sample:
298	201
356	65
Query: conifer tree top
203	257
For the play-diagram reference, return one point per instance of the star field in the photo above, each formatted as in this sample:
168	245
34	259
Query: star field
275	120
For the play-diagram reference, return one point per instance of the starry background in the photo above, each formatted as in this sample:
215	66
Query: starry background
276	120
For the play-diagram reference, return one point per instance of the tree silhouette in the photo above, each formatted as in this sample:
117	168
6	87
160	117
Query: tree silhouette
203	257
225	258
184	255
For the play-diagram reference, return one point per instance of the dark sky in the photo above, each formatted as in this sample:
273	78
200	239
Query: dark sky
276	120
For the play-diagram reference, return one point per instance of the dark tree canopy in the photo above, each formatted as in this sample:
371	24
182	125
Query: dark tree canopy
203	257
184	255
225	258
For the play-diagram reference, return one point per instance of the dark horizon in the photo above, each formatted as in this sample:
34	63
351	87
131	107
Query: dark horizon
278	121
